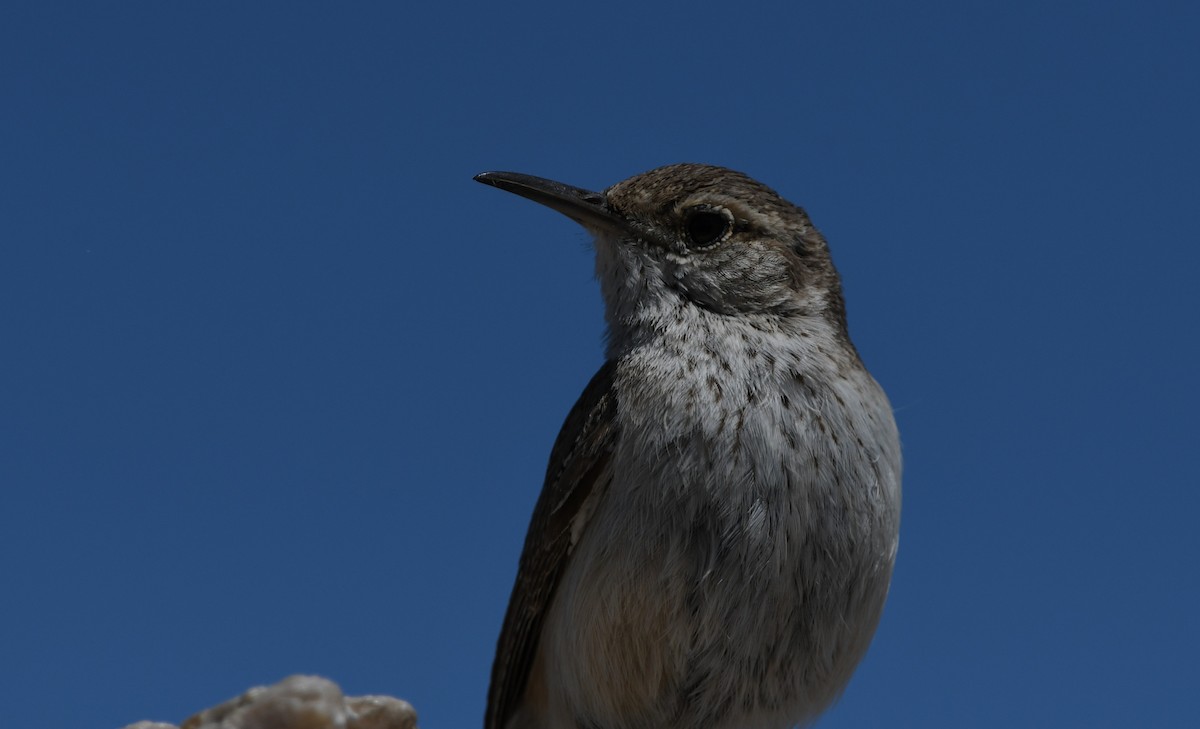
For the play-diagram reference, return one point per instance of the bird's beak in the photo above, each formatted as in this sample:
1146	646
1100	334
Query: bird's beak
589	209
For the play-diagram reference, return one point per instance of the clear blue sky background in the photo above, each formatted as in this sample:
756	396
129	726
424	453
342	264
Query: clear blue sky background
278	380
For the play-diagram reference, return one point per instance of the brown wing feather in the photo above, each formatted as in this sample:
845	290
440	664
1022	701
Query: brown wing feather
577	461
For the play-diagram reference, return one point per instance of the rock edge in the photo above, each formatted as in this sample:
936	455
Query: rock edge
299	702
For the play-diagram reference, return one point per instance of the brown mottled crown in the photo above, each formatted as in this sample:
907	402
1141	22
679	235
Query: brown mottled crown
652	201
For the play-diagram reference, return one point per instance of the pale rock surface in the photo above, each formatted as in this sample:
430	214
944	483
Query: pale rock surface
299	702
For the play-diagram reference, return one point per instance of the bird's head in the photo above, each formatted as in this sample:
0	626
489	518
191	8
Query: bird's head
698	236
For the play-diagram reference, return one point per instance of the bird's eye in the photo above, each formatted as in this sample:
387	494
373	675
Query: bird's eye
705	225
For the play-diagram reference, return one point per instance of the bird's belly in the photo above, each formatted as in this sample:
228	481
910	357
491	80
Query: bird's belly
691	613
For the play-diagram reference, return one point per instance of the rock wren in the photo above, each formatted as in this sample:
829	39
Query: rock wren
714	540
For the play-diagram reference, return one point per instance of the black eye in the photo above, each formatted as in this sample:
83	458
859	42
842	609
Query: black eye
704	225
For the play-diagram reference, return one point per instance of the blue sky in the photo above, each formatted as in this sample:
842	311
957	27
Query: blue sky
278	380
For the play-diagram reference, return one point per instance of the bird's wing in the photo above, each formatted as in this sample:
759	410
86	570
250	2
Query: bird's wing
578	465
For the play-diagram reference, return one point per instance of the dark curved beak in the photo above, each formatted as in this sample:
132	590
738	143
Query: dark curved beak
589	209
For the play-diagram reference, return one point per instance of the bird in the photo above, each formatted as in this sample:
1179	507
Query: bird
716	533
